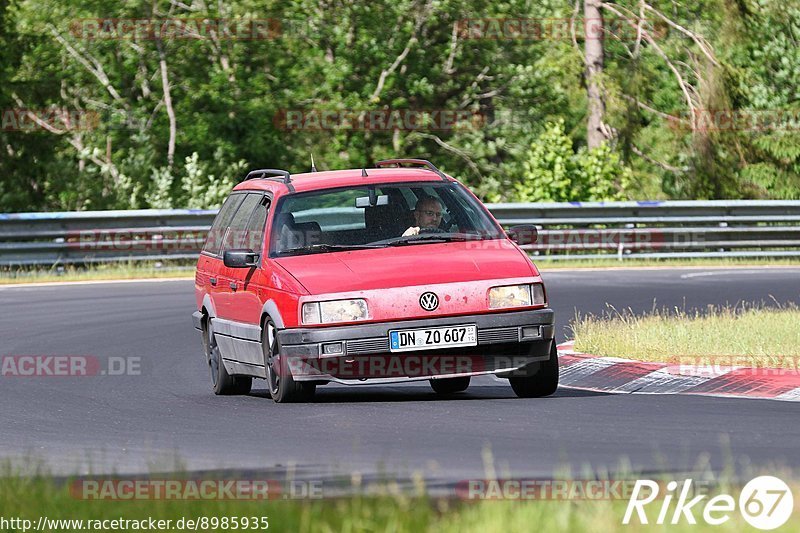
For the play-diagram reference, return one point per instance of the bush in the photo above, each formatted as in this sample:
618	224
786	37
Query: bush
555	172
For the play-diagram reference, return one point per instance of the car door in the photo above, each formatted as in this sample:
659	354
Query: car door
240	341
209	265
248	282
228	282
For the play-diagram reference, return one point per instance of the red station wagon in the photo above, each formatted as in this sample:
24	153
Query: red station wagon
383	275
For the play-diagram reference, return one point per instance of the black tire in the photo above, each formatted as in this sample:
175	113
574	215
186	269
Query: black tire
450	385
542	381
282	387
223	383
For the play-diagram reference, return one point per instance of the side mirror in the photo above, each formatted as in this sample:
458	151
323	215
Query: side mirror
523	234
240	258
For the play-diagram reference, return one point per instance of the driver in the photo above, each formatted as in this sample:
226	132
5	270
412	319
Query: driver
427	214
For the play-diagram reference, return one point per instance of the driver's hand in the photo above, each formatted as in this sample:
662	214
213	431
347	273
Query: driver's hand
414	230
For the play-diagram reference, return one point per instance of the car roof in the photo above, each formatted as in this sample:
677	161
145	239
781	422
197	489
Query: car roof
311	181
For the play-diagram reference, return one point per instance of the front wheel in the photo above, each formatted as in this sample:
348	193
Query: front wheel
223	383
543	381
282	387
450	385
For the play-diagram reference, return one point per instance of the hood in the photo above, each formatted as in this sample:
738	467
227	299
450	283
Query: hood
412	265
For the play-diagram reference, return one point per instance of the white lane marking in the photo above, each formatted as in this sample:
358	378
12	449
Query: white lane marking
88	282
571	270
697	275
719	272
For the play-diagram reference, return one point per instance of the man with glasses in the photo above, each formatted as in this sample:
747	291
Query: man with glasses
427	214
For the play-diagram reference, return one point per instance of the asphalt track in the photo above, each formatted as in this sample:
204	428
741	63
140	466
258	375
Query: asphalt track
167	418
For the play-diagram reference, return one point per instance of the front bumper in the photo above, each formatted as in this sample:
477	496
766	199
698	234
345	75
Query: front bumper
503	346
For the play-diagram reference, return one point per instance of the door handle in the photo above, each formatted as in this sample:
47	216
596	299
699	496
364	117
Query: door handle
213	281
233	286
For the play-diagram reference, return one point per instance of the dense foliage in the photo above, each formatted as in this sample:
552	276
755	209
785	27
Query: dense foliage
167	120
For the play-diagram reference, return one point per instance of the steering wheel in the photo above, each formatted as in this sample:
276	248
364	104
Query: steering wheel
431	229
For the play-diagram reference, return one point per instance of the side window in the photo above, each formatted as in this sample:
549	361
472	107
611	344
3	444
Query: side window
213	242
332	211
253	237
238	224
468	219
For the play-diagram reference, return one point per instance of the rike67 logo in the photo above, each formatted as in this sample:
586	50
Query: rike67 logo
765	502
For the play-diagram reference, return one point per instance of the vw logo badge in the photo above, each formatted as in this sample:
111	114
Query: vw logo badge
428	301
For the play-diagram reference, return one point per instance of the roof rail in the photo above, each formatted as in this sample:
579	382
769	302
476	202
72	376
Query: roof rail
419	162
269	173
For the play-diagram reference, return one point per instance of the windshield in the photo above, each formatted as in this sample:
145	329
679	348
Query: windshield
378	216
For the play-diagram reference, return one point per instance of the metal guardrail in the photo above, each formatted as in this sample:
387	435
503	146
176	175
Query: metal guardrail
742	228
102	236
660	229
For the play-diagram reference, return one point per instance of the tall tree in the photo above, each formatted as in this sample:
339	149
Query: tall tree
593	48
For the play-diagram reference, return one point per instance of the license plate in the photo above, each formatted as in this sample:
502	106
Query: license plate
403	340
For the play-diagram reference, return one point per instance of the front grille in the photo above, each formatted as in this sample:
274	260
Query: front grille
498	335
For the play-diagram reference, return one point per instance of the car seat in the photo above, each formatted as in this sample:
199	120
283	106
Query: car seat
385	221
293	234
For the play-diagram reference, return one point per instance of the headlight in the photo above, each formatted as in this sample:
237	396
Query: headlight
516	296
335	311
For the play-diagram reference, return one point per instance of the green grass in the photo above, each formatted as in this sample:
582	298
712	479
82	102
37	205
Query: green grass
758	337
32	497
545	264
111	271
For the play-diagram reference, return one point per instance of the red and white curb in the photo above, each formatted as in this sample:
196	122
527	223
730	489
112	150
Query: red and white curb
615	375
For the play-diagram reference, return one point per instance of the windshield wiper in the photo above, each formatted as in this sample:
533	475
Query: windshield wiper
427	239
313	248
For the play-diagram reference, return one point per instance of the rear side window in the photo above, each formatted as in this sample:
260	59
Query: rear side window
221	223
238	224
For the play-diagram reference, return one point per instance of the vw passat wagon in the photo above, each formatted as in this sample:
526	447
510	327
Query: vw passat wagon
384	275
